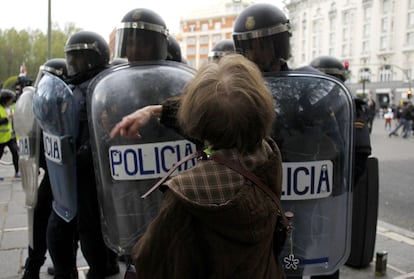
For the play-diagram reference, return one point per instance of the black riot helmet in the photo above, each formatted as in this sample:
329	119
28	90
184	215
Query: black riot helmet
262	34
174	50
86	53
55	66
221	49
330	66
141	36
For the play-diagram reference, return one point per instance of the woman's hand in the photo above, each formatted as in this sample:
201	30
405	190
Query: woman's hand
129	125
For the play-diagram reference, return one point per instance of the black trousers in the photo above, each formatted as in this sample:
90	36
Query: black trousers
42	210
14	149
62	241
98	256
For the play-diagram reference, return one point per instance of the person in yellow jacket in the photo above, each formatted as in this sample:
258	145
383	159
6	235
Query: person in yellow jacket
7	137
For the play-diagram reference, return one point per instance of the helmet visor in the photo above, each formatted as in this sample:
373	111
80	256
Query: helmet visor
137	44
81	61
267	52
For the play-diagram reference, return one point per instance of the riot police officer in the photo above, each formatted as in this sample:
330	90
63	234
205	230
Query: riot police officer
221	49
61	112
87	54
166	113
362	143
174	50
141	36
362	149
262	34
43	207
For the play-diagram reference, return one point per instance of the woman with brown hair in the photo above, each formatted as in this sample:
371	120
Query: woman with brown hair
214	222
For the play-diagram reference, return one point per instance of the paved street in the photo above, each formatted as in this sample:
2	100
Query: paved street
398	241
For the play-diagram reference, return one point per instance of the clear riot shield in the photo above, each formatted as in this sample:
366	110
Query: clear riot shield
313	129
28	134
55	110
126	169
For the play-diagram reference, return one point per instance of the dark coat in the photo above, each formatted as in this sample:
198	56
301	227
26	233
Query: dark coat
214	223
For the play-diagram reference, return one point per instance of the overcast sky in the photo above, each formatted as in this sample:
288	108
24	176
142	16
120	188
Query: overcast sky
100	16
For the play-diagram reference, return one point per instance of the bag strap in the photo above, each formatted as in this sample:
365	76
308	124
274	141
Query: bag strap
236	167
258	182
175	166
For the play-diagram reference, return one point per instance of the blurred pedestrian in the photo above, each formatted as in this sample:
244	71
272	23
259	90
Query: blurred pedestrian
7	136
403	122
388	116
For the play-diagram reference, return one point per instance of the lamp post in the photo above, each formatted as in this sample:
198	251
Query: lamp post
49	30
365	77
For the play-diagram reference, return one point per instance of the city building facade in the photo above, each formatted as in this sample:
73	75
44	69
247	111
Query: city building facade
374	37
202	29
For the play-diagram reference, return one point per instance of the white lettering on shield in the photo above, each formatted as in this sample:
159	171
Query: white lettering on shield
148	161
307	180
53	147
24	146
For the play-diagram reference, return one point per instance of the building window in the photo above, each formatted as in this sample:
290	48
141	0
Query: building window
383	43
217	26
204	27
385	73
203	62
365	47
331	39
345	49
386	6
192	28
191	51
191	41
191	63
384	24
407	75
367	13
345	18
345	35
316	26
318	12
366	30
304	24
216	39
410	38
204	40
411	20
204	50
332	23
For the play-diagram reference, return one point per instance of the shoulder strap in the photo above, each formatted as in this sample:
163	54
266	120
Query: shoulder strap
255	179
175	166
